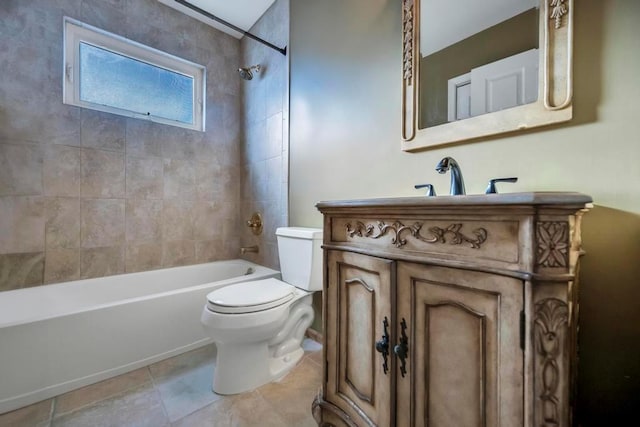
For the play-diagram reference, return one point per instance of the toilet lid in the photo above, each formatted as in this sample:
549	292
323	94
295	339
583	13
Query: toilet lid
249	297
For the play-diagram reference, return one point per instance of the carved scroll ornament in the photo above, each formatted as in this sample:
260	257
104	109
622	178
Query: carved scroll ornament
407	40
550	324
451	234
559	9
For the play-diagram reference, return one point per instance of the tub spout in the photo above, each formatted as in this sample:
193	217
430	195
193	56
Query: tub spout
247	249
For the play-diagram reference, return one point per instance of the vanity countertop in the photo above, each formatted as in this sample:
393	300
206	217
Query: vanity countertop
544	198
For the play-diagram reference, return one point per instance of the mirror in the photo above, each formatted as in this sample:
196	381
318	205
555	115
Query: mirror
473	69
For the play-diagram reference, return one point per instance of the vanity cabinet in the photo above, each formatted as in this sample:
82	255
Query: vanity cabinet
450	311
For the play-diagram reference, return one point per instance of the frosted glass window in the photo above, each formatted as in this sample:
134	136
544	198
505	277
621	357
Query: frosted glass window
109	73
114	80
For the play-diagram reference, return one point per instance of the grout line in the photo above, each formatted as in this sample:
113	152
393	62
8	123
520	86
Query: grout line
157	390
52	411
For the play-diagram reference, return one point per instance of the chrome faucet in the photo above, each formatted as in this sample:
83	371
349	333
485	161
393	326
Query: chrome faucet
457	183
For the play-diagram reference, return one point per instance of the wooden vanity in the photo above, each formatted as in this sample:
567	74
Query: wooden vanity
451	311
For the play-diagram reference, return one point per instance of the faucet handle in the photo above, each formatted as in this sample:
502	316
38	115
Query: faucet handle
431	191
491	188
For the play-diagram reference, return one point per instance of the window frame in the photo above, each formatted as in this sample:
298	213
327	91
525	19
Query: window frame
76	32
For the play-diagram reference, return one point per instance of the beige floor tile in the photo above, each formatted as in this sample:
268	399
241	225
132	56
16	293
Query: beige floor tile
240	410
315	357
84	396
36	415
183	362
140	407
292	396
179	390
187	391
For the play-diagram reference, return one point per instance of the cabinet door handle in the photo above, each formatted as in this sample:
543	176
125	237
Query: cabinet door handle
382	346
401	350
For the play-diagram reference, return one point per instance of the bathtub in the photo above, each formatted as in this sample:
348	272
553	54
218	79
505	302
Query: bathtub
56	338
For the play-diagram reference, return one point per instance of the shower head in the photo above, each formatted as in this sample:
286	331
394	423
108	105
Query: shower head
246	73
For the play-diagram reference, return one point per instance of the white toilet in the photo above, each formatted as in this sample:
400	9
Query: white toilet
258	326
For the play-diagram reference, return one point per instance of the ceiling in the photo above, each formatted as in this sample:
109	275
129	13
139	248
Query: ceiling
241	13
444	23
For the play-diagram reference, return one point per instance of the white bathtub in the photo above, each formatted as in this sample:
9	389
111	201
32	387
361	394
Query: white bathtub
59	337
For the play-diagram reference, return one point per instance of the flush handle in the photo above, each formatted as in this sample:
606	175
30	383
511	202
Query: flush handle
382	346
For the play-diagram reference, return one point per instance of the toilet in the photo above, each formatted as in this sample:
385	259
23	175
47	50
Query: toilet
258	326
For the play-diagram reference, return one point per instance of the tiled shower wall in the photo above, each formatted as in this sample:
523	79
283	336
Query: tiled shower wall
87	194
265	155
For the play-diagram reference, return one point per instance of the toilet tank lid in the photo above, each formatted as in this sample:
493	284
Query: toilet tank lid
300	232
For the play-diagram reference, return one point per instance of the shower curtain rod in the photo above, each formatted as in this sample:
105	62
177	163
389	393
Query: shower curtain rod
230	25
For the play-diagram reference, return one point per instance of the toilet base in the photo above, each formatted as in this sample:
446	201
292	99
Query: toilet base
242	367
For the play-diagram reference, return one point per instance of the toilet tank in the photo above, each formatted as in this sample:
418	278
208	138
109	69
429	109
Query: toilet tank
300	252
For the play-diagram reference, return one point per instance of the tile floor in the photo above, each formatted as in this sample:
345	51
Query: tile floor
177	392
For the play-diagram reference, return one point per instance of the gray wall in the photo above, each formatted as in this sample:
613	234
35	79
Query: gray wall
345	144
265	155
88	194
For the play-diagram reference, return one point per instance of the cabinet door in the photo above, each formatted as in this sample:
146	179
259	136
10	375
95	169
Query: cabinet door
358	293
465	363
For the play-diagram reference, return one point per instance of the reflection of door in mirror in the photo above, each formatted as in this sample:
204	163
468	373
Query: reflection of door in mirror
462	74
502	84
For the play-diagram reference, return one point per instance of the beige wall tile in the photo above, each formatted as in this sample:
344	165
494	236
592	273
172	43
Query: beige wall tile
208	177
62	227
102	130
144	220
20	169
21	224
100	262
177	220
61	171
179	179
210	250
179	148
206	223
80	165
41	123
62	265
176	253
143	139
274	135
145	177
143	257
103	173
102	222
21	270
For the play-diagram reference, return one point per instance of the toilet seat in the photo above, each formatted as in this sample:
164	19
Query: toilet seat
250	297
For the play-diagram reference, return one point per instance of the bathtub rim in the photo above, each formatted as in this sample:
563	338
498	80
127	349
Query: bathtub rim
260	272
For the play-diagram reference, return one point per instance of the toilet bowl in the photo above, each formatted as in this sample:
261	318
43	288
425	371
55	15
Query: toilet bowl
258	326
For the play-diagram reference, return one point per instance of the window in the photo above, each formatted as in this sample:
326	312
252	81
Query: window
110	73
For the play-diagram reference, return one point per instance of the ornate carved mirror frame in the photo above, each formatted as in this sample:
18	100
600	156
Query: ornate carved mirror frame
554	103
